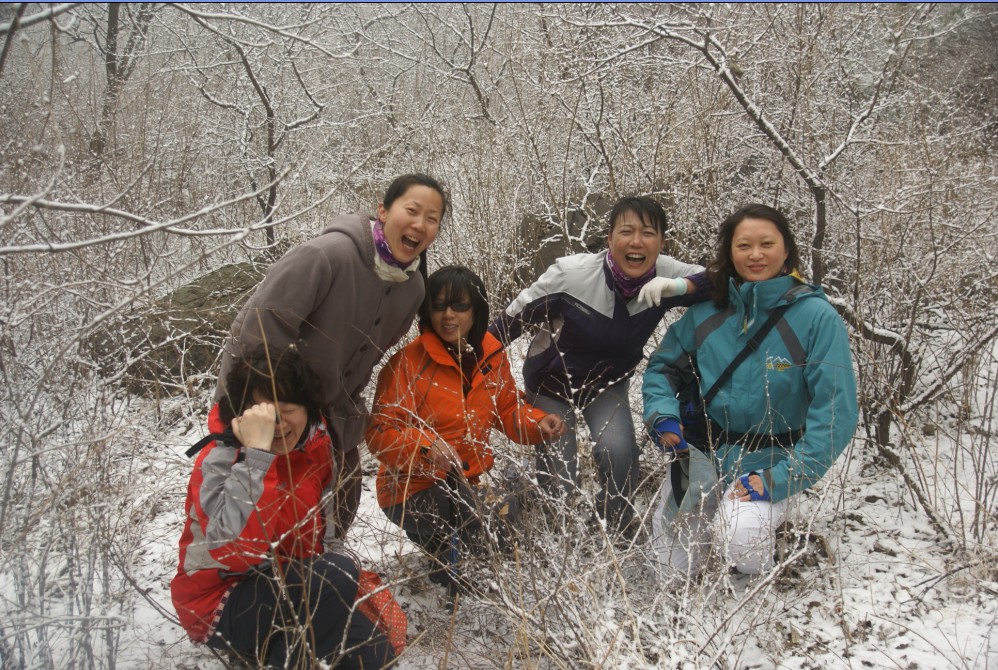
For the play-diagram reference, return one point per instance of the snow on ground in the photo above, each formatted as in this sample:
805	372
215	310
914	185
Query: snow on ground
872	585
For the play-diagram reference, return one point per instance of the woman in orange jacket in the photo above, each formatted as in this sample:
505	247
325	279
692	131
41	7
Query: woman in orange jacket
436	404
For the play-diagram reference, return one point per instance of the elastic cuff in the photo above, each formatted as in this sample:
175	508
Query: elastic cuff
258	458
669	425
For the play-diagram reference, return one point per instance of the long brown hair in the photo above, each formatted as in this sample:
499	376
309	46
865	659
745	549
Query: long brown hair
721	269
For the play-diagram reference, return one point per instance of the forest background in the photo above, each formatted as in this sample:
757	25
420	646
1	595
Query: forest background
157	157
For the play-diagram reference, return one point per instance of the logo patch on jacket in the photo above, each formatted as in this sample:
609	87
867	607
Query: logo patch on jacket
778	363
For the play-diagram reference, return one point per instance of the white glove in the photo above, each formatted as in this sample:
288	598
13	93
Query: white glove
652	293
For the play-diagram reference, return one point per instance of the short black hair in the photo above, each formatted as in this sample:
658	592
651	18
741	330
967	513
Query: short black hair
647	210
280	375
455	281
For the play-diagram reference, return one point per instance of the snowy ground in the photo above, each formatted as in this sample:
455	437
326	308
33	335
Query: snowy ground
869	584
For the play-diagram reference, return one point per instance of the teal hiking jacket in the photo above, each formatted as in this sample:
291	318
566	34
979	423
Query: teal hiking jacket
800	378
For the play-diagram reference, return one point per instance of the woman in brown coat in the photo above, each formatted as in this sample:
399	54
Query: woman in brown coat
343	299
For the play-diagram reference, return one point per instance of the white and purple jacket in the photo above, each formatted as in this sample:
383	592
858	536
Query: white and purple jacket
589	335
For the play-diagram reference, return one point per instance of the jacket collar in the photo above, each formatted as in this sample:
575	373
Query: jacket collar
436	349
753	298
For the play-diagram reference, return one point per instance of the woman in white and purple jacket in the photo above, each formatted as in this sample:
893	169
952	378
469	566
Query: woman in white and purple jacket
594	314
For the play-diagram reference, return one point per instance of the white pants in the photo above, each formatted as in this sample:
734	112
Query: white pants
744	533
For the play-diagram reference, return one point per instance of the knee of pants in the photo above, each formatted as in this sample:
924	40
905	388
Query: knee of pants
678	548
616	456
328	581
614	444
747	533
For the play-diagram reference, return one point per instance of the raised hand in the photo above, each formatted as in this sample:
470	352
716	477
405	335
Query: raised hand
255	428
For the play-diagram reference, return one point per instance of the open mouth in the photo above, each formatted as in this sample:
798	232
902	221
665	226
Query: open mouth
410	243
635	259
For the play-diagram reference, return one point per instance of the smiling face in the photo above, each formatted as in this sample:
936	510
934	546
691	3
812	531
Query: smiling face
634	244
452	317
412	221
758	251
291	426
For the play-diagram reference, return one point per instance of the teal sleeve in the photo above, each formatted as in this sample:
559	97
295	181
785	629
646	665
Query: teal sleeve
668	369
831	415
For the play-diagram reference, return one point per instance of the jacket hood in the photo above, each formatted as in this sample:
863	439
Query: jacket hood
363	239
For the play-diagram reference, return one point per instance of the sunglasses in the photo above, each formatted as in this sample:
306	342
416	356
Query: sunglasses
456	305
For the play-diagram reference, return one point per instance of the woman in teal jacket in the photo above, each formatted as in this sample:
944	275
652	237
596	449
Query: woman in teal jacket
776	425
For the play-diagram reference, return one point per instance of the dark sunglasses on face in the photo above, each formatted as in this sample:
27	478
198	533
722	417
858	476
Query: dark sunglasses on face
456	305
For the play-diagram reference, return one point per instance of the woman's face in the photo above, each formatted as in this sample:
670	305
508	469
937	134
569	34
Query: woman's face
634	245
758	252
452	319
291	426
412	222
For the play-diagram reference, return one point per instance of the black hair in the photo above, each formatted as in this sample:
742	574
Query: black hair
721	269
280	375
454	281
646	209
400	185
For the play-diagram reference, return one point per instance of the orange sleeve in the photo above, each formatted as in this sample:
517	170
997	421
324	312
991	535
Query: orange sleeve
519	419
395	434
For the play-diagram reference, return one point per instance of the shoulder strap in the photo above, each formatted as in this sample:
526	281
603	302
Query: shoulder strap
752	345
227	437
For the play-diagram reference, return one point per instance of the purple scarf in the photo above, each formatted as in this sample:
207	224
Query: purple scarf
381	244
628	286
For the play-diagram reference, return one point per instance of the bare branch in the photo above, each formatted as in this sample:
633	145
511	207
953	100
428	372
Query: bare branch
287	31
14	24
147	226
49	13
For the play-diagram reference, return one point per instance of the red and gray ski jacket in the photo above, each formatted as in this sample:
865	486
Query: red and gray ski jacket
246	508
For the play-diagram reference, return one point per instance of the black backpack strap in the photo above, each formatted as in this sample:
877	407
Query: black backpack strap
774	316
227	437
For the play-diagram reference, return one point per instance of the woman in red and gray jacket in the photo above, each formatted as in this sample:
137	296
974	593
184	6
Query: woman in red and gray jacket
259	574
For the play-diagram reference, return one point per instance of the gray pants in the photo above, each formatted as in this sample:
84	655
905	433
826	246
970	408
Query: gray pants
615	451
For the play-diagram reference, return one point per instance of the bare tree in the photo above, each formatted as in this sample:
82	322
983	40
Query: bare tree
144	148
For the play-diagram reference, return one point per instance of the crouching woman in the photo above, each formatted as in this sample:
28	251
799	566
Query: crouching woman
436	404
259	574
778	419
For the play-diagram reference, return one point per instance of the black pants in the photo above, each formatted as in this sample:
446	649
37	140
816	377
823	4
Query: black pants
298	613
442	520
